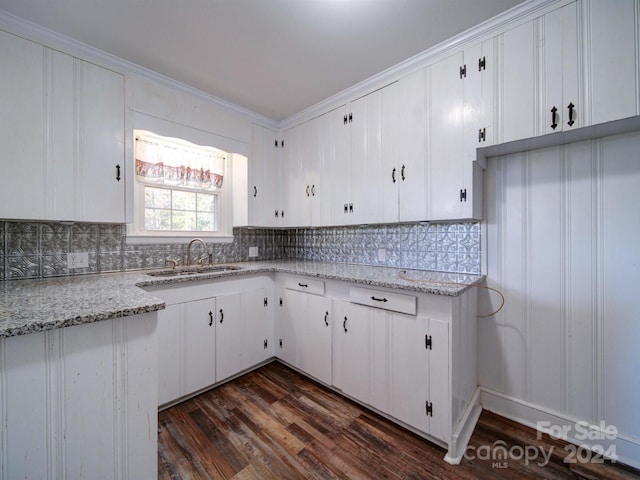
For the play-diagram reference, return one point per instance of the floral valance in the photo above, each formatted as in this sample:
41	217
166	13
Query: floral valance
174	162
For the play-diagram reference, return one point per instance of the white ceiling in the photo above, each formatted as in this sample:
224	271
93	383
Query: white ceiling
273	57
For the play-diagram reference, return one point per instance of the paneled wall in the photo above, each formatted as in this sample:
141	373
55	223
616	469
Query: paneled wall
562	235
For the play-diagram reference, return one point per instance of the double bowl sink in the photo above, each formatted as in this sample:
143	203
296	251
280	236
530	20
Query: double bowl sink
193	270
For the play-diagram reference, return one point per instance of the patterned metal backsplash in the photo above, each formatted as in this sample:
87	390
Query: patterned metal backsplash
39	249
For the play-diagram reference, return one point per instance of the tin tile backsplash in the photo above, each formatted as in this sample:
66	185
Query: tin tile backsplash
39	249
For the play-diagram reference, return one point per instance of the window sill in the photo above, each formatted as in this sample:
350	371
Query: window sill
137	239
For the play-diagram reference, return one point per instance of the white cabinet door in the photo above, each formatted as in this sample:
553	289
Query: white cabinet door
101	132
293	184
339	166
229	335
446	134
317	344
611	59
418	359
22	129
264	178
199	347
412	134
560	105
286	337
258	330
389	179
353	359
517	80
186	349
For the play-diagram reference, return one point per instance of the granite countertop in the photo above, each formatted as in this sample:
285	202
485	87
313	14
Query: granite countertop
28	306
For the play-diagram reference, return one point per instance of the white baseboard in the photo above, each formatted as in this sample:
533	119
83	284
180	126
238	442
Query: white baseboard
464	430
625	448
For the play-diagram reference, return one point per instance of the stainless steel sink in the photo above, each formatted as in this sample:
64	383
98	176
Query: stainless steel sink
193	270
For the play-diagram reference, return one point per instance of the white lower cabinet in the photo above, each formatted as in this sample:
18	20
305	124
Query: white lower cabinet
210	331
186	357
419	372
418	368
243	332
303	332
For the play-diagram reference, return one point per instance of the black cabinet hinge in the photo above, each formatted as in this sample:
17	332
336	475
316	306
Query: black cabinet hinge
482	134
427	342
266	301
463	194
344	120
350	117
281	143
482	64
280	342
463	71
280	301
276	143
428	409
266	344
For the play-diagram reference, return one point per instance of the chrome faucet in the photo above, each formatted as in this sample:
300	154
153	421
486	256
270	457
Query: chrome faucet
204	246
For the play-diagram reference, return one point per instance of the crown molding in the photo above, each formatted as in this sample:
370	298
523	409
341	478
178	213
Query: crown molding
36	33
487	29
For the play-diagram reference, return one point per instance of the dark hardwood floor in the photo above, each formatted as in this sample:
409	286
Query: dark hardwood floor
274	423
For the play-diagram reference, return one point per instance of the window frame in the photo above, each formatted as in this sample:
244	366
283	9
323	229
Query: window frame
138	234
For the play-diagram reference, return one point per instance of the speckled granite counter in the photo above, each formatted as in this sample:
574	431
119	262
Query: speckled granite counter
28	306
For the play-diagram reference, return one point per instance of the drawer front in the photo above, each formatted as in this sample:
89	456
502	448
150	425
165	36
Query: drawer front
396	302
304	284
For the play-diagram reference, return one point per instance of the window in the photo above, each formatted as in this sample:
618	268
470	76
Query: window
178	188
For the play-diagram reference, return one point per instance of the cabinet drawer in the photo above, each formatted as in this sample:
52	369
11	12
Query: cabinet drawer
304	284
396	302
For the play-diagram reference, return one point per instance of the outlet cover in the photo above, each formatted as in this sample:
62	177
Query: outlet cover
382	255
77	260
253	252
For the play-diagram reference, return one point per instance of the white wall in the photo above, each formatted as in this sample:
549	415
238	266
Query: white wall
563	231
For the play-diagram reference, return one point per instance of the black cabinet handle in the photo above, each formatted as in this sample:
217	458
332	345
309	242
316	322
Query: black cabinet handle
402	173
255	191
118	172
346	208
210	318
393	175
221	315
554	124
304	285
351	208
282	214
375	299
307	190
571	106
344	324
326	314
313	190
276	213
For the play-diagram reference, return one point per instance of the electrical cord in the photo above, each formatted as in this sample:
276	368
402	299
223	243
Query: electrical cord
415	280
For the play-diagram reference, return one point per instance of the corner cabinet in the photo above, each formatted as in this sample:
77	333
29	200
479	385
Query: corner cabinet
62	136
409	356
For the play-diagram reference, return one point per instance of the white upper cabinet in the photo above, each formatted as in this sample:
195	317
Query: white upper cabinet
101	133
22	129
445	89
517	79
264	178
560	104
306	154
411	173
62	140
612	59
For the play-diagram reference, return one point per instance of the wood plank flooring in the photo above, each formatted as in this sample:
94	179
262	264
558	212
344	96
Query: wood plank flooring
274	423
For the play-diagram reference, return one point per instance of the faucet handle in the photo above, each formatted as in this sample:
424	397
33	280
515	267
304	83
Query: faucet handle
173	261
